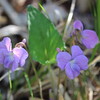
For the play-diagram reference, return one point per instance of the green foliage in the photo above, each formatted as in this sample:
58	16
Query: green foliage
98	18
97	28
43	37
0	96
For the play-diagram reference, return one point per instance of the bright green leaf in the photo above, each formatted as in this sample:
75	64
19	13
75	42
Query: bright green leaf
43	37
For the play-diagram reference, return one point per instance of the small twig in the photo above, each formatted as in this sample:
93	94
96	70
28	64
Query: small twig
69	17
65	86
53	80
90	94
58	83
40	84
97	59
59	78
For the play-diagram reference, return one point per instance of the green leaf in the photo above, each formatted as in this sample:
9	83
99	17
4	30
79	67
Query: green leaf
98	18
97	28
43	37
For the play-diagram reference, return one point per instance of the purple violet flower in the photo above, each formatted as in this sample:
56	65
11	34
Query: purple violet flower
72	64
12	58
88	37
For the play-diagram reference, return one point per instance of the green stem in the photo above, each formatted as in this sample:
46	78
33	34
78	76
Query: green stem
10	80
93	53
29	85
36	75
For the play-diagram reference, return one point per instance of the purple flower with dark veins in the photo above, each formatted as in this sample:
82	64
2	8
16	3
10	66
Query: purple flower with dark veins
12	58
88	37
72	64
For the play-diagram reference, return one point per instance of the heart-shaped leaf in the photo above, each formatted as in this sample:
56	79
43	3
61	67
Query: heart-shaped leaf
43	37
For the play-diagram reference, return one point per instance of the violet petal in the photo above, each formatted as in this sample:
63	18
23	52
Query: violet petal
62	59
78	25
3	53
15	63
1	57
76	51
89	38
22	54
72	70
7	42
2	45
8	62
82	62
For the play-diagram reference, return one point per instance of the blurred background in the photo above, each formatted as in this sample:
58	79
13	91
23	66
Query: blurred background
13	23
